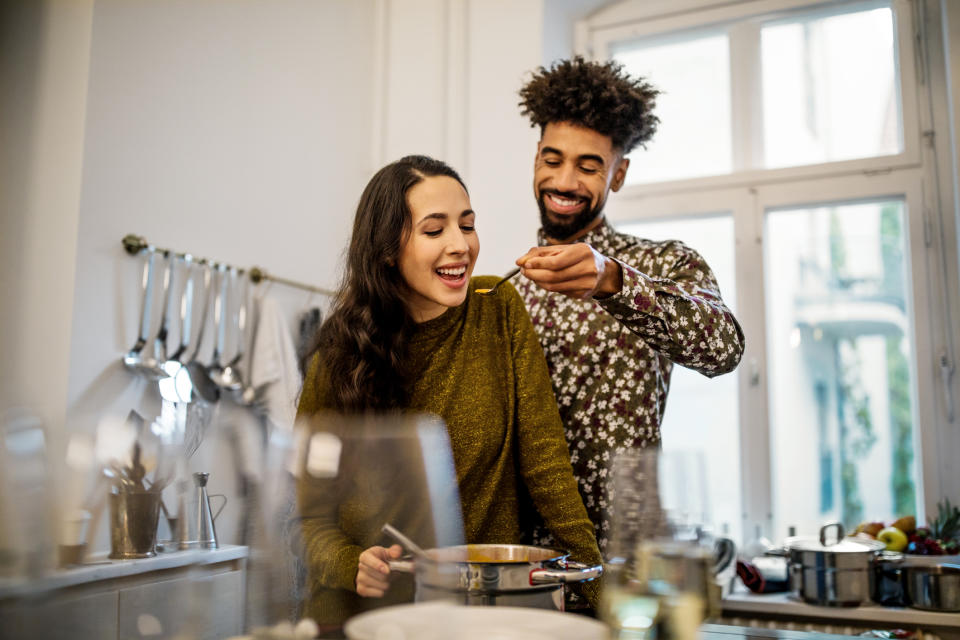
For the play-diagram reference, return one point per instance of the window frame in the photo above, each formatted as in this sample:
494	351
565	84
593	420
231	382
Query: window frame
912	175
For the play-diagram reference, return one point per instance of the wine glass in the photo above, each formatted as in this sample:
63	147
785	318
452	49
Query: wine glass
659	572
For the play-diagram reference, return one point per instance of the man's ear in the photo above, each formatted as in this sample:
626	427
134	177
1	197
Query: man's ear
620	174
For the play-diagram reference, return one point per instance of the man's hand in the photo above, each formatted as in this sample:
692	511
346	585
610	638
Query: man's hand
373	573
576	270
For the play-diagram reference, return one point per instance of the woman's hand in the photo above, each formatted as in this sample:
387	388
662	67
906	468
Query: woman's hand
373	573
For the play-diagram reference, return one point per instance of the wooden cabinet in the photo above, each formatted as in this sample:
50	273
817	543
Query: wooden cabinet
192	594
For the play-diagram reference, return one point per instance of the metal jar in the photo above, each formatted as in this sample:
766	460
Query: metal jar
496	575
837	572
933	588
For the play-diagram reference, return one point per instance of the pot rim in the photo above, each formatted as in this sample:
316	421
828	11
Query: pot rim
515	554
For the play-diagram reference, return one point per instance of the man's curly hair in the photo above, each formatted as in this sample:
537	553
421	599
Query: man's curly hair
599	96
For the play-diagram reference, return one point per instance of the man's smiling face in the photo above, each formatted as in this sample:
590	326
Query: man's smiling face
574	170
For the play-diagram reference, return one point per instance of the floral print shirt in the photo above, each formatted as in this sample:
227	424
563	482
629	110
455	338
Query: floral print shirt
610	359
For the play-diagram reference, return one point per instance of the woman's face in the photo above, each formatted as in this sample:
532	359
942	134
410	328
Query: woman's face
439	251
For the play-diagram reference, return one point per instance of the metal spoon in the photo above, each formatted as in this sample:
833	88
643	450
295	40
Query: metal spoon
133	359
230	378
492	290
152	366
410	545
215	368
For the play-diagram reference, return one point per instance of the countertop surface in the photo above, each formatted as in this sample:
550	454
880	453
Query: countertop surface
99	567
786	605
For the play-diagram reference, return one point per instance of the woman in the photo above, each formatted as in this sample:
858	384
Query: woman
406	332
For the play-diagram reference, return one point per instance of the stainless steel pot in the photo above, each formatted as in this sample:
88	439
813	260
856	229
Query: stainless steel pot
496	574
833	572
934	588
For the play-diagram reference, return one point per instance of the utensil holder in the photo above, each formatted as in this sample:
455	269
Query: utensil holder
133	524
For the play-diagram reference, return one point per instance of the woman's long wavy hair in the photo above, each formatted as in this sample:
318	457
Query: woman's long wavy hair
363	342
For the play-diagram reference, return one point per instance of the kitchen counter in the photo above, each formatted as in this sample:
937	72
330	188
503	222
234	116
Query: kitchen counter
106	599
99	568
743	604
731	632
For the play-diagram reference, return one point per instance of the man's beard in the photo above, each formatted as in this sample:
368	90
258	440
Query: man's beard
575	224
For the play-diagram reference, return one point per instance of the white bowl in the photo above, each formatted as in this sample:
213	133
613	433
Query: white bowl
447	621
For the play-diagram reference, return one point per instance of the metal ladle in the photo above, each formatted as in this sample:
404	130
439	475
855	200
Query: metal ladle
215	368
177	386
153	366
133	359
230	378
202	384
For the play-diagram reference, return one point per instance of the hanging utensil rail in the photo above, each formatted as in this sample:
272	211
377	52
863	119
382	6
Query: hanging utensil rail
134	244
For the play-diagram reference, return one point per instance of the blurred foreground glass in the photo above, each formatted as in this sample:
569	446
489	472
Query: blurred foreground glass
841	359
355	474
659	577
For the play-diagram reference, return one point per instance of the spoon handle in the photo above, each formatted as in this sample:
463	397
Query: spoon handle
404	540
493	289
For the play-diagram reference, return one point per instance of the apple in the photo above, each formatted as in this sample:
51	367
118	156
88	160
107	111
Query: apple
907	524
895	539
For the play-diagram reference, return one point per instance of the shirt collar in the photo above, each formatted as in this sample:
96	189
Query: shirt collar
604	238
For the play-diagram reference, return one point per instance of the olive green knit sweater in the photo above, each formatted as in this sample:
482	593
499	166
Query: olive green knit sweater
480	367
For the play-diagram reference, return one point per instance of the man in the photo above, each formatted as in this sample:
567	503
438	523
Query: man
613	312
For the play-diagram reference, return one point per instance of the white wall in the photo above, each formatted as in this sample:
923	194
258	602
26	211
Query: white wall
452	70
238	130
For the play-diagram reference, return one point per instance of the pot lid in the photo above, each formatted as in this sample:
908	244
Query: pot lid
835	544
847	545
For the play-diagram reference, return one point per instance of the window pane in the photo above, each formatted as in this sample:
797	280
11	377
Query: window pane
693	138
685	424
841	365
829	88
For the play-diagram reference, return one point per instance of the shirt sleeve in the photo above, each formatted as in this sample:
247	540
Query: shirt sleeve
543	457
331	557
673	302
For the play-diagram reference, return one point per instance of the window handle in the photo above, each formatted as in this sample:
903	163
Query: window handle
946	372
755	374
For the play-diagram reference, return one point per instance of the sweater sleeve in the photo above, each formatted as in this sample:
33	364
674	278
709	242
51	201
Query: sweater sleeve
543	457
331	557
678	311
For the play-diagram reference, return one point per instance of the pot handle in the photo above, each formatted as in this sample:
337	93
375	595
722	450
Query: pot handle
401	566
838	531
575	572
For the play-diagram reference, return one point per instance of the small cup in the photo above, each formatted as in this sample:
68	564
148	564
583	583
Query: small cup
73	538
69	555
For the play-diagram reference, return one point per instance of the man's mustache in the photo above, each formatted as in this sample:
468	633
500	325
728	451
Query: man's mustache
564	194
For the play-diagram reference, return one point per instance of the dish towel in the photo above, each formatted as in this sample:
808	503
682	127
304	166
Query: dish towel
275	375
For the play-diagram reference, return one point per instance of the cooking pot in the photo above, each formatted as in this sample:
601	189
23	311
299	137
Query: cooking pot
496	575
833	572
934	588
